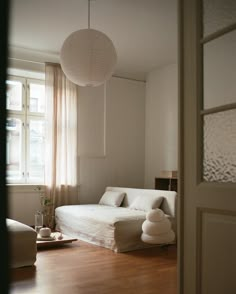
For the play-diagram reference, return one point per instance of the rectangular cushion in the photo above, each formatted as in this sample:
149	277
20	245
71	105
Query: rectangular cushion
112	198
146	203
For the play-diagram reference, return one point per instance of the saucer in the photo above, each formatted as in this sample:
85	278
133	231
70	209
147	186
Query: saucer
50	238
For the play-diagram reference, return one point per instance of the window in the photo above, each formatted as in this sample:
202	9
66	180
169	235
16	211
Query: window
25	130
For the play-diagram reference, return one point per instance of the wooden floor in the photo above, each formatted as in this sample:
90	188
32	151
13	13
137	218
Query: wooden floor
82	268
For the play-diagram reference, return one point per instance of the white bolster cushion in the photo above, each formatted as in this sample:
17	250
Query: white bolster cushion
159	239
156	228
155	215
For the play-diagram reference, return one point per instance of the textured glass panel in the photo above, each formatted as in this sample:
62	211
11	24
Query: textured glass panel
14	95
219	162
13	146
220	71
37	98
218	14
36	150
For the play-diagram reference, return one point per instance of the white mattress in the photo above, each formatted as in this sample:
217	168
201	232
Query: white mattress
23	247
116	228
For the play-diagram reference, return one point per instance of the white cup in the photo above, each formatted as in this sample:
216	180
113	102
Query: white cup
45	232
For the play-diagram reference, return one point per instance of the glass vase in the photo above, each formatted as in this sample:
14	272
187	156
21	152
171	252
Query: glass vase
38	218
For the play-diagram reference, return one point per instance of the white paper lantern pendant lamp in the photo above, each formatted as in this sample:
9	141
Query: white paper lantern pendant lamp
88	57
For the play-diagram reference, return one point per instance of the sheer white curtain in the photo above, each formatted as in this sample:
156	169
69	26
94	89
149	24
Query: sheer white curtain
61	137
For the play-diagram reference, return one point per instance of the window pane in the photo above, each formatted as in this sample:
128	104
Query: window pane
37	97
218	14
219	162
36	150
14	95
219	71
14	139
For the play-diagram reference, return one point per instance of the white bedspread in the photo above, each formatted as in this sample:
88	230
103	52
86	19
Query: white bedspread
116	228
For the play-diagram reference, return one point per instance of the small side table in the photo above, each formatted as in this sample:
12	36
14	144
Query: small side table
170	184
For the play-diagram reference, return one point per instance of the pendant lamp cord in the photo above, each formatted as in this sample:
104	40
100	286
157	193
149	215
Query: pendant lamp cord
89	14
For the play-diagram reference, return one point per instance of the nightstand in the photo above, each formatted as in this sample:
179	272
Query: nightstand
170	184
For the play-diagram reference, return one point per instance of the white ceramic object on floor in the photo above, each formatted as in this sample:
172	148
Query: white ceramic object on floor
45	232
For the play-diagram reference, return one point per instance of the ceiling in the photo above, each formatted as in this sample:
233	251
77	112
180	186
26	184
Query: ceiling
144	32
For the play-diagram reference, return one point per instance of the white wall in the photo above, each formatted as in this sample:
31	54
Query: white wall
161	127
111	145
116	156
124	140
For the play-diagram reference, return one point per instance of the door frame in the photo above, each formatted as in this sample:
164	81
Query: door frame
189	105
192	21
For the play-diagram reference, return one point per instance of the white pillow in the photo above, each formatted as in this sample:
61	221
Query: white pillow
112	198
146	203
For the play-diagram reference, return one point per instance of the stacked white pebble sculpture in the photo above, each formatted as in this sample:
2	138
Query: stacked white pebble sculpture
157	228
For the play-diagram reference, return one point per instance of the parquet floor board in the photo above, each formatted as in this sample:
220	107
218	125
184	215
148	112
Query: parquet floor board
82	268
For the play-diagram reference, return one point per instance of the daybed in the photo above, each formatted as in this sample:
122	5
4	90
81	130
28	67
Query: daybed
23	248
116	221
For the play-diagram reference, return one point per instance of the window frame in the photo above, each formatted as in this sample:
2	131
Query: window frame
25	115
